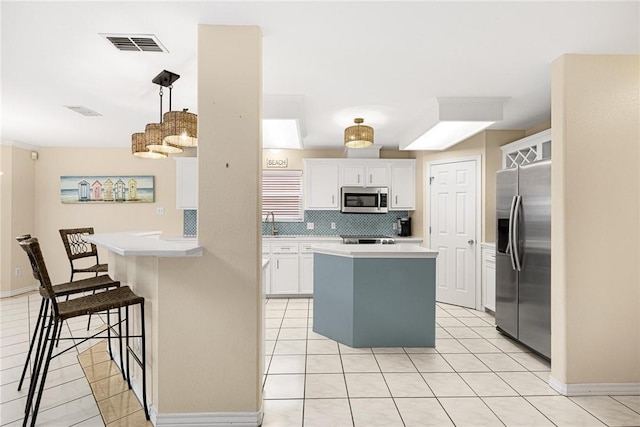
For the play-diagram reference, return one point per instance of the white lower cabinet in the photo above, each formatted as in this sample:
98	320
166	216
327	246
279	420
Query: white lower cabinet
284	268
291	266
284	274
489	276
266	277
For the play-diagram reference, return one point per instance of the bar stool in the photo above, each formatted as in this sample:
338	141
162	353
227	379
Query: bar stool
77	248
62	290
121	297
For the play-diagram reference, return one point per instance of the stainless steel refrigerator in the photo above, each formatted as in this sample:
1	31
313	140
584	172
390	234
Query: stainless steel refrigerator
523	255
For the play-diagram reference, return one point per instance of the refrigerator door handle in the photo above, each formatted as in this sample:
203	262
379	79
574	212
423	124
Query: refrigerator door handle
516	231
510	237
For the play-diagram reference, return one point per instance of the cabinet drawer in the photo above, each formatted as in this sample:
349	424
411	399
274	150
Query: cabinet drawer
305	248
284	248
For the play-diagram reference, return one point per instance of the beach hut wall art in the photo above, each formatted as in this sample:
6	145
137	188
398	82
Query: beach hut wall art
107	189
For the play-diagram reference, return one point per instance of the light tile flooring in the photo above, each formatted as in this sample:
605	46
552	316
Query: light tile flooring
474	377
83	388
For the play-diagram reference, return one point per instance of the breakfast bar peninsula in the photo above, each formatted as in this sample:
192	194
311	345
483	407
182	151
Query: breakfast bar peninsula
375	295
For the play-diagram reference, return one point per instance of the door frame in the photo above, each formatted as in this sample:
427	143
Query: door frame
427	212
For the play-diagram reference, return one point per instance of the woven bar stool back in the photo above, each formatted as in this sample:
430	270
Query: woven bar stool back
78	249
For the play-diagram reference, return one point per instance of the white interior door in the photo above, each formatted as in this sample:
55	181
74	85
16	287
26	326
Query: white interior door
453	230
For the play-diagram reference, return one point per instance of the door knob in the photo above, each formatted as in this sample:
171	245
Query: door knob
471	242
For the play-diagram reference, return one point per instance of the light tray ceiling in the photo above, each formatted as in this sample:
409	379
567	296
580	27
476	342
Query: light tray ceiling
383	61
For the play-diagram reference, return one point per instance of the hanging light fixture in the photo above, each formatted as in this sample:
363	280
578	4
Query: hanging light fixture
358	136
160	138
139	147
180	128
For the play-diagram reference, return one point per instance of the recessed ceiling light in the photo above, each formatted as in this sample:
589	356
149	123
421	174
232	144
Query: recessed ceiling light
82	110
281	133
451	120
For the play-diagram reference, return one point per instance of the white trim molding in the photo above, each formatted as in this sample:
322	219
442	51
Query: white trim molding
15	292
202	419
595	389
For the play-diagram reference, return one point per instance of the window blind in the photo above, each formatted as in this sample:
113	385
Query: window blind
282	195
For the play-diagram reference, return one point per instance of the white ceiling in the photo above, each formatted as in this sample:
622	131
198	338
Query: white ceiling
383	61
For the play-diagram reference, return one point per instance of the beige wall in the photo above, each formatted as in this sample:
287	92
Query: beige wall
17	217
484	144
595	287
51	214
213	363
295	157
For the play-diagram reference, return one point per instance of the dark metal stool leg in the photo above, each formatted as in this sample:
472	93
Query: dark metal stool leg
144	363
126	344
120	342
37	332
44	376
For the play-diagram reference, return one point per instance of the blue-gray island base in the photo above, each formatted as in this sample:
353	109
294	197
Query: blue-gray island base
375	302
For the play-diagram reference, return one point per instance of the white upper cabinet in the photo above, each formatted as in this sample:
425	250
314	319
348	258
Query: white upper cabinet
365	175
324	177
527	150
186	182
321	188
403	185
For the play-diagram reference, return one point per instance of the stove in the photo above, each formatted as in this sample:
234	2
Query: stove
350	239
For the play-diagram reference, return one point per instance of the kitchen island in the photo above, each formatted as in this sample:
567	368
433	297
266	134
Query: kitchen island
375	295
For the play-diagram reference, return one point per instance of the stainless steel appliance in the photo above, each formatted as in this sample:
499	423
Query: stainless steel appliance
404	226
523	255
366	239
364	199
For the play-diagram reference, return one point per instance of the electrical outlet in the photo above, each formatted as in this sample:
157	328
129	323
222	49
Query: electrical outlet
395	226
310	226
159	211
333	225
18	271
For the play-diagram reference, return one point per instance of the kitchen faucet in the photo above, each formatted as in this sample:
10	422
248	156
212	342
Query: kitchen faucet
273	223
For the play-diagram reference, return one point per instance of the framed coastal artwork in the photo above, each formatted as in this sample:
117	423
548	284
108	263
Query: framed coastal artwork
107	189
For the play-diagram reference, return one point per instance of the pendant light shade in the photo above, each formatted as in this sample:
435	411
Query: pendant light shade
154	142
180	128
358	136
139	147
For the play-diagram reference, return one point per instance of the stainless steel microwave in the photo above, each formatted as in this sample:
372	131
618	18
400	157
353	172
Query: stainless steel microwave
364	199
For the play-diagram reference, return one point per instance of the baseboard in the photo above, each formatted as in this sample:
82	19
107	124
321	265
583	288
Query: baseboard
595	389
234	419
15	292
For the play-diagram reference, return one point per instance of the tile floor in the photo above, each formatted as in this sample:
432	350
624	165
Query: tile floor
474	377
83	388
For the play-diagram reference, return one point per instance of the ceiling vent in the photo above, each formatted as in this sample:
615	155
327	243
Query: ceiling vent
135	42
82	110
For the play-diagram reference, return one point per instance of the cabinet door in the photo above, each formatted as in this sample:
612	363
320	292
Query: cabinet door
377	176
306	274
321	186
266	278
403	186
353	175
489	278
284	274
186	182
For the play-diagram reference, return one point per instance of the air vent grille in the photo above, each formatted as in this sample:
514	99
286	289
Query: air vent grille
135	42
82	110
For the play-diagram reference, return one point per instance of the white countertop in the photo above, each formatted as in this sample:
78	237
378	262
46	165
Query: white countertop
334	238
145	244
397	250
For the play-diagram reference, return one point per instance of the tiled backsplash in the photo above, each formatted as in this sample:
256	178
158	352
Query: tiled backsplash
190	223
345	223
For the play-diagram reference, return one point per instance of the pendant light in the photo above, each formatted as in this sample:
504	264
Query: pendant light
358	136
180	128
153	133
139	147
